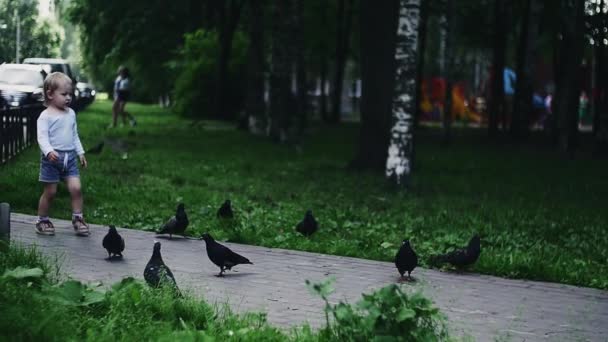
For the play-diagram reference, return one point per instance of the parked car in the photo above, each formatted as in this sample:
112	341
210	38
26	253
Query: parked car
52	65
57	64
85	93
21	84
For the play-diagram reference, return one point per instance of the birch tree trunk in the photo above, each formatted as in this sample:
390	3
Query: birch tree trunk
422	29
600	78
398	163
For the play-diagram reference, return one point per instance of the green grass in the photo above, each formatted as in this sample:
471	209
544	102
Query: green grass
38	305
540	216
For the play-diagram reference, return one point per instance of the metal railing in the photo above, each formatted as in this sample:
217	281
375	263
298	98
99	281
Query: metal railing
17	130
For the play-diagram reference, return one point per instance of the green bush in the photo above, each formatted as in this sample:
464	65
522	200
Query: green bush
35	306
195	89
388	314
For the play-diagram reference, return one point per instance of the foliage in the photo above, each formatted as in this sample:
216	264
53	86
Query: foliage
38	38
139	34
195	68
388	314
35	306
540	216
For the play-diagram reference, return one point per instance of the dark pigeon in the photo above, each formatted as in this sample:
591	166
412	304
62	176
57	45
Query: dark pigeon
406	259
96	149
176	224
222	256
158	274
225	211
308	225
463	257
113	243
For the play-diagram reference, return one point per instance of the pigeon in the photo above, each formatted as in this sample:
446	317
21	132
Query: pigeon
113	243
222	256
308	225
96	149
158	274
132	120
176	224
406	259
225	211
462	257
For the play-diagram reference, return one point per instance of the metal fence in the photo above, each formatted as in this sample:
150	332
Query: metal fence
17	130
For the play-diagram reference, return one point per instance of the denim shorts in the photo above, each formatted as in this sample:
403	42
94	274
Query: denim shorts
65	166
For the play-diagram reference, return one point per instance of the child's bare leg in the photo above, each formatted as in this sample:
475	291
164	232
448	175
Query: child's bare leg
115	110
74	188
81	228
50	189
122	111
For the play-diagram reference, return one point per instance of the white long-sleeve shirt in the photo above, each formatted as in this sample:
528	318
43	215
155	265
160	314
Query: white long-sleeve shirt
57	130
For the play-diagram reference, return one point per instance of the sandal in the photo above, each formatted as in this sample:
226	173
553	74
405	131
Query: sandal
80	227
45	228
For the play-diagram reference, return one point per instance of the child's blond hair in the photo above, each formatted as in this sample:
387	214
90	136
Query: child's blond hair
52	82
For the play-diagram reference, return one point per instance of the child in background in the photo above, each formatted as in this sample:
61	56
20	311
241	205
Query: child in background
60	146
122	92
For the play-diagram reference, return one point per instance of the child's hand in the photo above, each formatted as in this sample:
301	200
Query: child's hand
83	161
52	156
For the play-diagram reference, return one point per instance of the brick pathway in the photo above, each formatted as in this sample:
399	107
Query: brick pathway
487	308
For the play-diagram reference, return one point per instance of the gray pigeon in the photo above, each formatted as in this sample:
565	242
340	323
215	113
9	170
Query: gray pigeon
225	211
113	243
406	259
222	256
463	257
176	224
158	274
96	149
308	225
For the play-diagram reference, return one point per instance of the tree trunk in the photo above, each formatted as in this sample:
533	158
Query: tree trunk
344	20
600	93
302	95
230	11
255	107
526	57
401	146
323	67
568	87
280	77
497	97
377	19
422	28
447	35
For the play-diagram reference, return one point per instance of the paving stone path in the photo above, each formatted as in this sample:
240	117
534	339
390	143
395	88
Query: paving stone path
484	307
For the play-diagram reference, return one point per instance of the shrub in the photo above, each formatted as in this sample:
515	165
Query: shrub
388	314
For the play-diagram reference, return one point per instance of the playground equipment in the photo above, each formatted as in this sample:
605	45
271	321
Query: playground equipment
433	97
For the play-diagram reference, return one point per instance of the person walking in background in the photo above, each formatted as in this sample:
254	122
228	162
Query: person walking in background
122	92
60	145
509	79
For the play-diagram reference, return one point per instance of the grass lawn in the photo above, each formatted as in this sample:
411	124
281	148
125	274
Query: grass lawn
38	304
540	216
